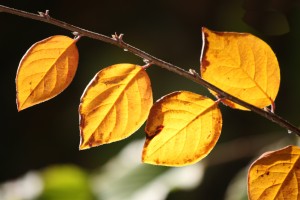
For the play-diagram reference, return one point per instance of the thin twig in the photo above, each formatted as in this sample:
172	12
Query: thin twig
117	40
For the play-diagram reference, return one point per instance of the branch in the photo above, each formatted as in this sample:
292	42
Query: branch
118	41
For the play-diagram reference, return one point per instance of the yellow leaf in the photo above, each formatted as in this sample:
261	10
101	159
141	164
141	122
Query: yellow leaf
114	105
275	175
241	65
47	68
182	128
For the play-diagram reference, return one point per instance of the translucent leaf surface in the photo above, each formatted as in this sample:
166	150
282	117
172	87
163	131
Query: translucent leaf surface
241	65
181	129
47	68
275	175
114	104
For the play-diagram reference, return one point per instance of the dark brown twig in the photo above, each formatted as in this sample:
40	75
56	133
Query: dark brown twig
117	40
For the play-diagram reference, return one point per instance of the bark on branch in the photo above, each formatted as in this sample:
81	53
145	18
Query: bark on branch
117	40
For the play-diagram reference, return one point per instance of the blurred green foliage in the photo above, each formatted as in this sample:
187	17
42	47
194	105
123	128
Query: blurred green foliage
66	182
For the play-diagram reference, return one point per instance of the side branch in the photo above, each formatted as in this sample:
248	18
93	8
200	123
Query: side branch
118	41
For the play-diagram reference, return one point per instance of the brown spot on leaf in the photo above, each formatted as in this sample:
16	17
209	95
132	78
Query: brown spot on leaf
208	136
205	45
82	121
157	161
159	129
93	141
95	81
188	160
204	64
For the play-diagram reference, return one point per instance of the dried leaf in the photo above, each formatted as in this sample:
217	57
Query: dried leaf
182	128
241	65
47	68
275	175
114	105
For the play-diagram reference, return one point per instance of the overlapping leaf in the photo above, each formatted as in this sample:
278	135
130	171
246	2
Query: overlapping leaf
47	68
241	65
181	129
275	175
114	105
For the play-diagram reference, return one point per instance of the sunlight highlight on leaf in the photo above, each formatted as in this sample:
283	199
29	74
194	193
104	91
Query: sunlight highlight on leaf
275	175
241	65
47	68
182	128
114	104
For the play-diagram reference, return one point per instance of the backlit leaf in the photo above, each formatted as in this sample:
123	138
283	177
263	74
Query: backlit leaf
47	68
114	105
182	128
275	175
241	65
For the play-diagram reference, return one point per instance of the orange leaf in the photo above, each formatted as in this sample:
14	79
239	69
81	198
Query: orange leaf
182	128
241	65
114	105
275	175
47	68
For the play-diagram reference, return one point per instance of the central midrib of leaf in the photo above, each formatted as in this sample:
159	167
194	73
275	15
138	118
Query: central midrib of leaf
288	174
117	98
252	78
48	71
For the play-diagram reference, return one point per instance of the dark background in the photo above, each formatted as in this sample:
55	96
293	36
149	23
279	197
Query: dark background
48	133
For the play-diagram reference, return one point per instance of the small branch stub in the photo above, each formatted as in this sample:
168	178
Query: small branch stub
194	73
44	14
147	63
271	109
77	36
118	38
220	98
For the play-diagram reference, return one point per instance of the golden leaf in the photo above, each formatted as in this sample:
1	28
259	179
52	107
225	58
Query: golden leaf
47	68
182	128
275	175
241	65
114	105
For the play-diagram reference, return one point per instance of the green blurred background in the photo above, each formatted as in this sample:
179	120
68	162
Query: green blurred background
47	135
